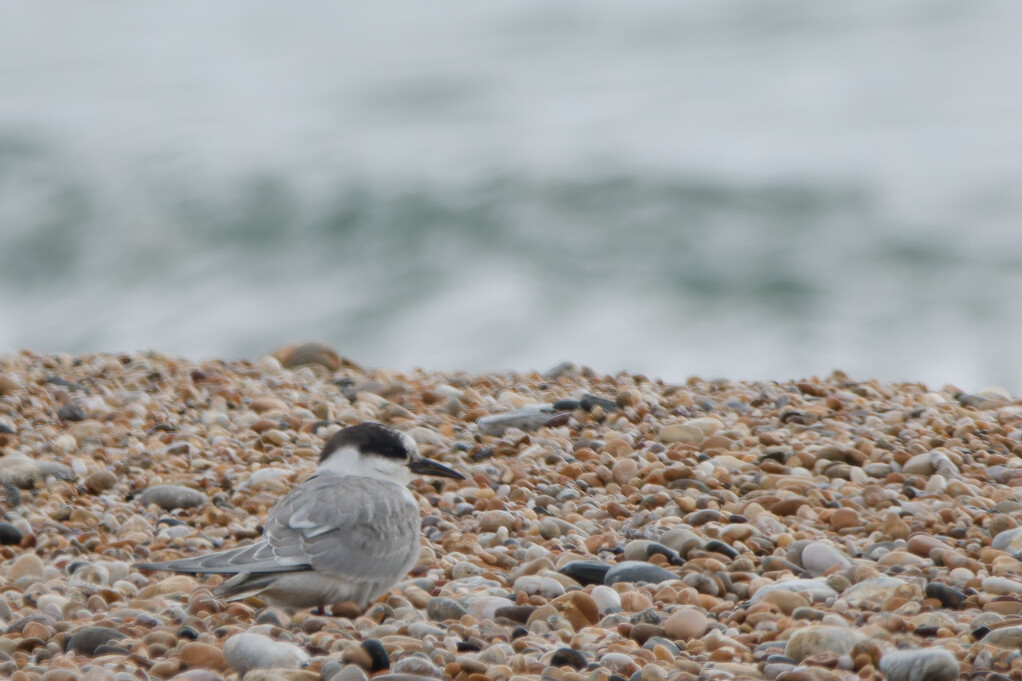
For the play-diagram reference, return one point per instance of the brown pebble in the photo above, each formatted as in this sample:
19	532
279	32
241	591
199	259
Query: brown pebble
686	623
100	481
204	655
843	518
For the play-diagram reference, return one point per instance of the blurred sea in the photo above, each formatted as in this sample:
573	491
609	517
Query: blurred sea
725	189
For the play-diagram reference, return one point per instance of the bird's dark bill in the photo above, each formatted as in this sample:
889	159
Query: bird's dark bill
429	467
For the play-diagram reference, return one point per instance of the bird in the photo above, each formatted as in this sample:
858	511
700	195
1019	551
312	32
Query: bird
349	532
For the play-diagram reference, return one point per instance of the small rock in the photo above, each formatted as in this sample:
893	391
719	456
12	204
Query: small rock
254	651
585	571
85	641
821	639
637	572
1009	638
27	565
72	411
9	534
202	655
531	417
844	518
100	481
920	664
442	609
546	587
624	471
568	657
348	672
169	497
685	624
818	557
607	600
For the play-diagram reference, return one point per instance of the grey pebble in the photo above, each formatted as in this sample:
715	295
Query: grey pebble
87	640
532	417
169	497
9	534
920	664
349	672
637	571
585	571
441	609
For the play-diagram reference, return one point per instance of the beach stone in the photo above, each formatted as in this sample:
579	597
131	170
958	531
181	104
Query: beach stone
607	600
685	624
486	607
174	584
844	518
531	417
820	638
816	589
539	586
578	608
872	593
637	572
1009	540
203	655
1001	586
1006	637
20	471
624	471
585	571
27	565
921	664
100	481
440	609
348	672
681	432
170	497
247	651
85	641
818	557
949	596
418	665
787	601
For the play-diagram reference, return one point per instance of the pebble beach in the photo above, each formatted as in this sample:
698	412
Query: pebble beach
610	527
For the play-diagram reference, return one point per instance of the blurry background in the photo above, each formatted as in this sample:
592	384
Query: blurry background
723	189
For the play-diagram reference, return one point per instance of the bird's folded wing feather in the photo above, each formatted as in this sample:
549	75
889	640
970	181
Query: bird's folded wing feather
348	526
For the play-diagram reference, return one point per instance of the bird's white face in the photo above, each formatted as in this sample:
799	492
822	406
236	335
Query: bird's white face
350	461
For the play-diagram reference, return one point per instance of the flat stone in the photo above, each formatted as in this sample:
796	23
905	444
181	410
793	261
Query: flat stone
440	609
816	639
85	641
920	664
686	623
818	557
637	572
254	651
169	497
585	571
527	418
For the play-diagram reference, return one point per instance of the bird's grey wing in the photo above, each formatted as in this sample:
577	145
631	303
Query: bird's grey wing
255	558
352	527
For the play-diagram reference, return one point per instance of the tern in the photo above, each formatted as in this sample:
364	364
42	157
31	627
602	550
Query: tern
348	533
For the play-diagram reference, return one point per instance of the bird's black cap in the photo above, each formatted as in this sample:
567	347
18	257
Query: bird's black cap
368	437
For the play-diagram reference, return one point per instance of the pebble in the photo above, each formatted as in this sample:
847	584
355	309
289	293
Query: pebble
819	557
817	639
170	497
686	623
247	651
585	571
88	639
607	600
9	534
637	572
923	664
531	417
441	609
